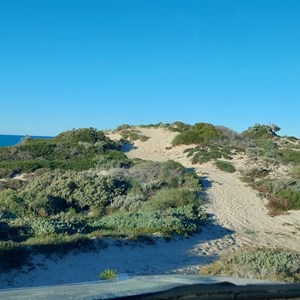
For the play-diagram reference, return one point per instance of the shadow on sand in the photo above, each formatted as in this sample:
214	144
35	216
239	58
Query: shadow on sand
127	146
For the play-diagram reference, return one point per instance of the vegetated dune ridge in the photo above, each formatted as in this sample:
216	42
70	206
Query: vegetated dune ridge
233	204
239	218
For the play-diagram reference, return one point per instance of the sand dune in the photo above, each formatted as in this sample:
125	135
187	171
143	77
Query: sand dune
238	218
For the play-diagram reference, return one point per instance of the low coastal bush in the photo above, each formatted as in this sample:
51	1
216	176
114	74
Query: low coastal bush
198	133
291	156
108	274
225	166
295	172
133	135
266	264
259	131
208	152
283	195
171	197
55	191
181	220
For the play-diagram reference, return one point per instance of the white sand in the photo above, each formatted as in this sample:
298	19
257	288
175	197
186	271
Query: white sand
239	219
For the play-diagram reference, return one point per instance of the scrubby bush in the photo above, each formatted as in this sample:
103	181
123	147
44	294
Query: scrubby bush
181	220
291	156
295	172
172	197
259	131
42	226
108	274
133	135
8	173
179	126
266	264
122	127
293	197
11	202
112	159
198	133
206	153
225	166
82	190
13	184
283	195
256	173
170	173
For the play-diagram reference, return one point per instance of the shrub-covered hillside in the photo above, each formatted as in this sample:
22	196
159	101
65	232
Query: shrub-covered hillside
262	145
77	150
79	185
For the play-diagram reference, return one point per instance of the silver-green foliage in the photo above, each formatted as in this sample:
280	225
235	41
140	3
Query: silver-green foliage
128	202
182	220
267	264
83	189
172	197
168	173
43	226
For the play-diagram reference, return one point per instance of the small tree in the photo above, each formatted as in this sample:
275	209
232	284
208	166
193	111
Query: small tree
274	127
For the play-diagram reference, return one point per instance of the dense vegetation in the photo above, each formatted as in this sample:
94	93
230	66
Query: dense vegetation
78	150
81	186
266	264
198	133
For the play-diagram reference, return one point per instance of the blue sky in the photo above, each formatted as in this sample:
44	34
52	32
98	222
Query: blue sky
72	64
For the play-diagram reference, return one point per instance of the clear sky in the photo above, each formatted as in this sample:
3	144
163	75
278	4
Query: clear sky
72	64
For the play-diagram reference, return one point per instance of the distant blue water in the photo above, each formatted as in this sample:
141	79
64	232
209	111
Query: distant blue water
11	140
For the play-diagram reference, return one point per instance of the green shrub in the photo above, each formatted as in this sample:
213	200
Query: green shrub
58	243
133	135
13	184
273	265
172	197
198	133
179	126
182	220
112	159
44	226
295	172
170	173
108	274
7	173
83	190
11	202
291	156
130	202
206	153
283	195
293	197
255	173
259	131
225	166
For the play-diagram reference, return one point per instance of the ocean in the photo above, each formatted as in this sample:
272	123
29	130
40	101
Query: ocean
11	140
